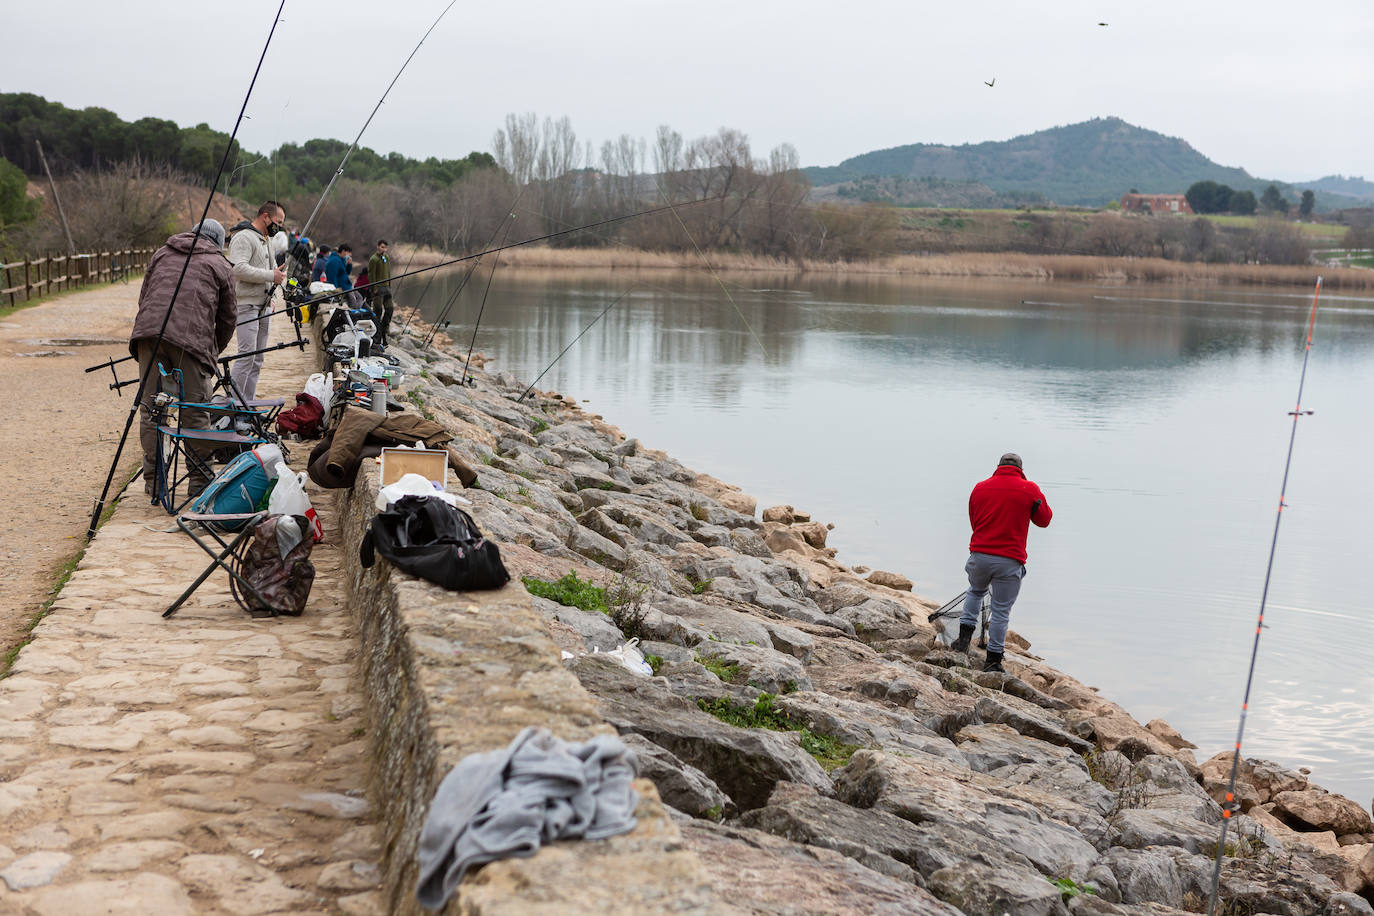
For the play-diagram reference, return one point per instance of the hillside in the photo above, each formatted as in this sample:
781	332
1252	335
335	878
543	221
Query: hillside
1085	164
1353	186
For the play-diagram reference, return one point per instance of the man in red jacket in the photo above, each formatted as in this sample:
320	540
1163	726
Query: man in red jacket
1000	509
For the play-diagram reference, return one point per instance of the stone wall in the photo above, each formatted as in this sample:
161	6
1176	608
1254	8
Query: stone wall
449	674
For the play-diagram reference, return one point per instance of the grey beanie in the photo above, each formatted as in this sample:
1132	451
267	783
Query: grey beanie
212	230
1010	458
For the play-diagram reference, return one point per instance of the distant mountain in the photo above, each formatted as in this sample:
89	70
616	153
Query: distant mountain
1085	164
1338	184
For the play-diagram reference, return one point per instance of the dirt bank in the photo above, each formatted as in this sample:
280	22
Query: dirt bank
60	427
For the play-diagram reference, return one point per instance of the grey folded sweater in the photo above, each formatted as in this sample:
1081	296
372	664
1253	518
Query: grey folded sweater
506	803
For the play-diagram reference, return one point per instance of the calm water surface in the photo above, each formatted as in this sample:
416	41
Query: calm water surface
1155	419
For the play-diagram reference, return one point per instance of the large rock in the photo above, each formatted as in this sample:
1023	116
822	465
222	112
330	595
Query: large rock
594	547
1317	809
876	620
916	791
891	580
746	763
992	746
1029	724
767	875
867	725
759	666
996	890
595	628
679	784
1146	876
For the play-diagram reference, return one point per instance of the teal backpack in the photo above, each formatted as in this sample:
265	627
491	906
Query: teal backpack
239	487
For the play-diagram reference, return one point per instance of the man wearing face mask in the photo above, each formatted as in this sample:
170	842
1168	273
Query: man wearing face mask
256	275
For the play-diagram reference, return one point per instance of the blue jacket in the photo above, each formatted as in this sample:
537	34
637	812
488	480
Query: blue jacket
336	272
317	268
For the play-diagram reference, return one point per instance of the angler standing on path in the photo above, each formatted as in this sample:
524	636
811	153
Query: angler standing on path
256	273
1000	509
378	274
195	332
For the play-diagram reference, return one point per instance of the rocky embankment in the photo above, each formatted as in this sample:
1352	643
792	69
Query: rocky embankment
824	752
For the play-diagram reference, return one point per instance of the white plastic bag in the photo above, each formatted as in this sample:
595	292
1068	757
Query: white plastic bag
289	498
319	387
629	657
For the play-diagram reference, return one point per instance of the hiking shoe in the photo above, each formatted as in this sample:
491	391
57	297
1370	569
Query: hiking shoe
994	663
965	635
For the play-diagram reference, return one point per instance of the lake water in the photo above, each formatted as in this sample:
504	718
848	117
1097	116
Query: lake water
1155	418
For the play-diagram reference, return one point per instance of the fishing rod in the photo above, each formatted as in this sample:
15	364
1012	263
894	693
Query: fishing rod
1230	807
409	261
440	320
527	391
162	331
340	170
483	307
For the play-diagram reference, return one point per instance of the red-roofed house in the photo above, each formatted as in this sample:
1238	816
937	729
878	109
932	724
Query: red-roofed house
1155	203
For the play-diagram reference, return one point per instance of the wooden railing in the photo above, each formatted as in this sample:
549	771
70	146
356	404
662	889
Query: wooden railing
32	277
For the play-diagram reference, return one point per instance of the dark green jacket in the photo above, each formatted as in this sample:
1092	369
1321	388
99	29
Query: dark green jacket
379	272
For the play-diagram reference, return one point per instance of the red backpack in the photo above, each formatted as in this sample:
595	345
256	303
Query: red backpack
306	419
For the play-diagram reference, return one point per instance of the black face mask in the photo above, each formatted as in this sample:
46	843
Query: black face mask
273	229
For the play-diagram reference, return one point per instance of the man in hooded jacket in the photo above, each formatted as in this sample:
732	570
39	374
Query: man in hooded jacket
256	276
1000	510
201	325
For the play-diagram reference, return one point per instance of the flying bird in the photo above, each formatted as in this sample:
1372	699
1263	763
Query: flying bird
986	83
1102	23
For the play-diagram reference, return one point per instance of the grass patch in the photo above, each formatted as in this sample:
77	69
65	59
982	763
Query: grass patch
727	672
539	426
655	663
830	753
699	585
419	401
1069	888
569	591
698	511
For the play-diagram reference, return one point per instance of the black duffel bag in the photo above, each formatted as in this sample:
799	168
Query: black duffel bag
428	538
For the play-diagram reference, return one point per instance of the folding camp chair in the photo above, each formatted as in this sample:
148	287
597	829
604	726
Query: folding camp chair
229	557
183	452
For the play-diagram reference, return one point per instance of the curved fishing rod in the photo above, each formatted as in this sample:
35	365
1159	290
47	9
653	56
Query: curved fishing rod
541	238
339	171
409	261
162	331
1230	806
526	393
483	307
440	319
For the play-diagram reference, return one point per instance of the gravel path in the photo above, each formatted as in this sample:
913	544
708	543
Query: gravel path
210	763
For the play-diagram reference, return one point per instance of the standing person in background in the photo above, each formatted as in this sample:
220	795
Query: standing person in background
1000	510
321	261
256	274
379	275
200	326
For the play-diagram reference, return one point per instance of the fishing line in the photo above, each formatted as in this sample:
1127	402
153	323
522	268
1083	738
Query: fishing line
143	379
1230	807
612	305
507	221
339	171
483	307
542	238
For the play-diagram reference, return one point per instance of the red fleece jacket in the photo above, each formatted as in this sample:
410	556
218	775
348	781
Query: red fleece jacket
1001	508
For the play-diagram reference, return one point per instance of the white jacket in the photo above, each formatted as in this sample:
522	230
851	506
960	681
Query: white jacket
253	264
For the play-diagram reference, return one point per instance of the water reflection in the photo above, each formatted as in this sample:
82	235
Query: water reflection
1155	418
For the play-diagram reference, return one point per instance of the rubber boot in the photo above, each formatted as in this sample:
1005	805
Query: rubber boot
994	662
965	635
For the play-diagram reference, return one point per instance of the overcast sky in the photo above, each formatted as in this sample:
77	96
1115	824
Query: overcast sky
1279	89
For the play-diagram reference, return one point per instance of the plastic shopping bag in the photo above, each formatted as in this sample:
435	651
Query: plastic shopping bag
318	385
288	497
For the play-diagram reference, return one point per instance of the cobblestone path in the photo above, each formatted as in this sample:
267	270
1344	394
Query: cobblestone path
210	763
